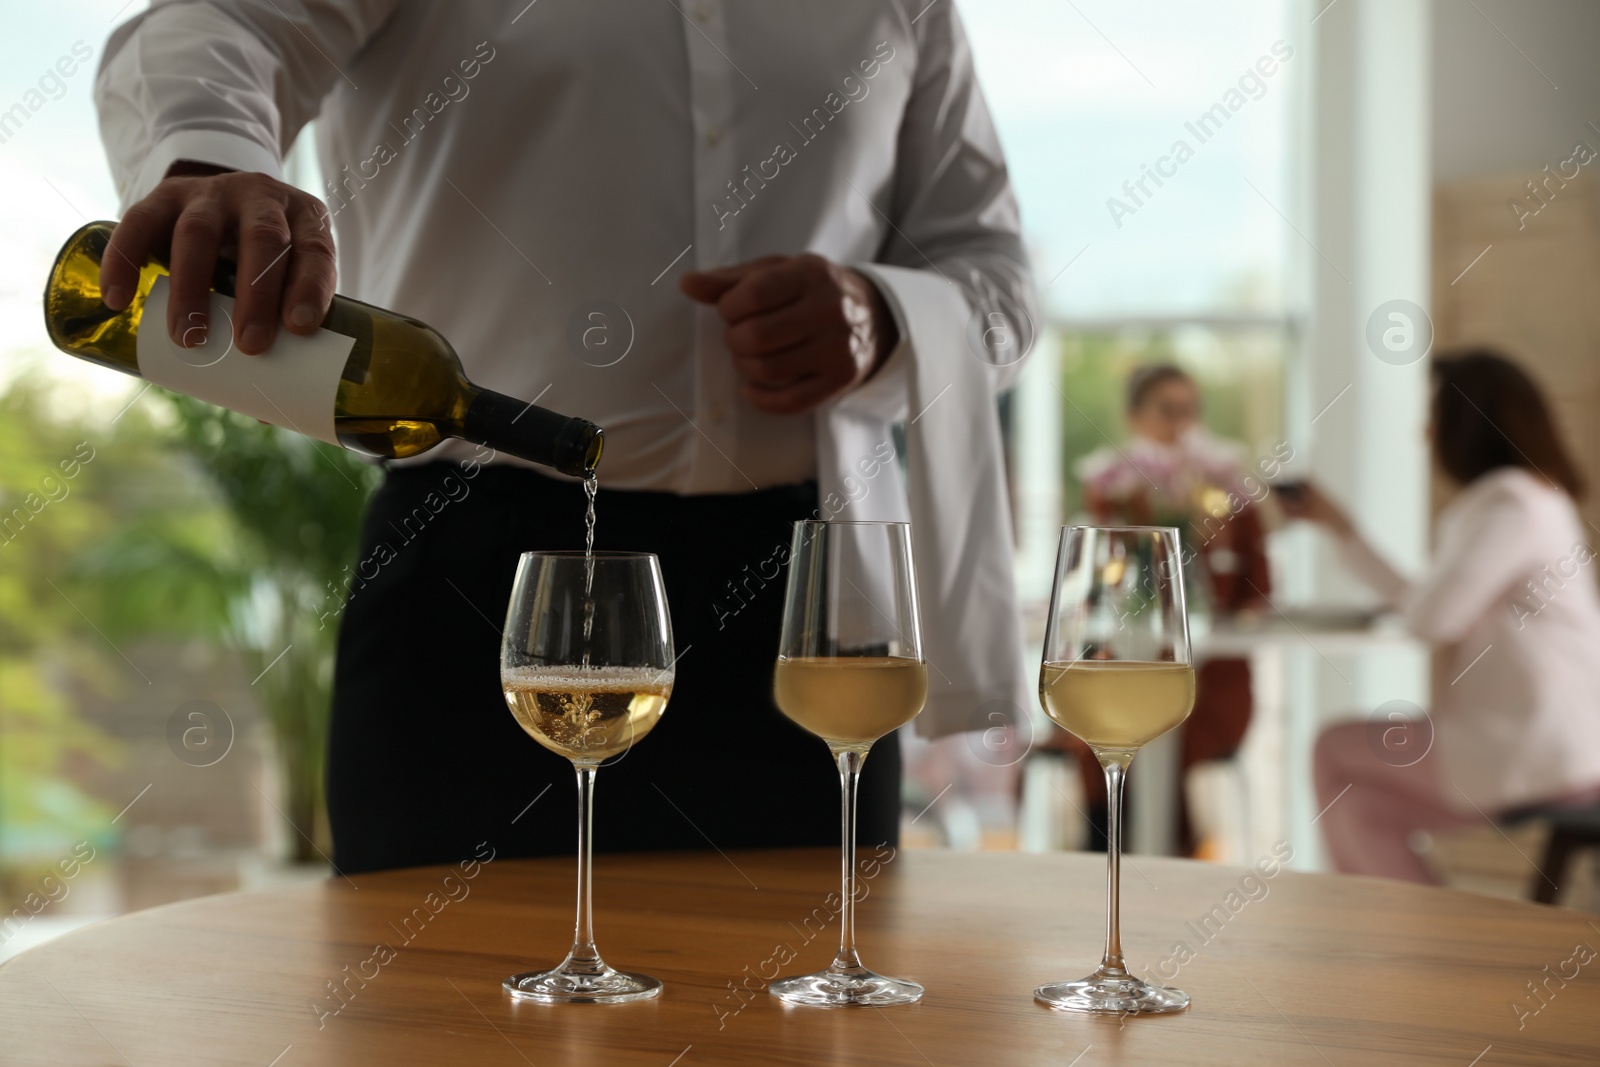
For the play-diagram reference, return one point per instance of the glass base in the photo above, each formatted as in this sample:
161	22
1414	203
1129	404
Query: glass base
835	987
1103	993
570	983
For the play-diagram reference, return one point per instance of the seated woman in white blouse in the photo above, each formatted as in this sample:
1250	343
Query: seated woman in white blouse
1510	599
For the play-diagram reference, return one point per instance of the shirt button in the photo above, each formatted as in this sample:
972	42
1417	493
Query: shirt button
714	136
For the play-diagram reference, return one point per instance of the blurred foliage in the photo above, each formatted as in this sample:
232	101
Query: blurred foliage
297	504
185	521
293	509
1240	372
65	485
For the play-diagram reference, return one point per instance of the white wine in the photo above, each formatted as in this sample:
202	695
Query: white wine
591	489
370	380
587	714
850	701
1117	704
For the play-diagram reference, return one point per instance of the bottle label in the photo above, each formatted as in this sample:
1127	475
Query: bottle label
293	384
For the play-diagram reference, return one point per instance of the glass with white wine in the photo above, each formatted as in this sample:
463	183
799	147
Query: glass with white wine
1116	674
850	670
586	664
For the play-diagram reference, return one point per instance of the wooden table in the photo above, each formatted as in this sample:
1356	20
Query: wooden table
1320	970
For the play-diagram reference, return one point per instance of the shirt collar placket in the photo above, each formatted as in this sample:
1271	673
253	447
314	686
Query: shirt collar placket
714	83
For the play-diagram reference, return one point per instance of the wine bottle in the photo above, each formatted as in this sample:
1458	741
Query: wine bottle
369	380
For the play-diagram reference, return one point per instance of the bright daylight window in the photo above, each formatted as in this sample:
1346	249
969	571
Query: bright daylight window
1148	147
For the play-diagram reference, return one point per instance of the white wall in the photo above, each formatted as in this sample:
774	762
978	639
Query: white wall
1365	199
1494	111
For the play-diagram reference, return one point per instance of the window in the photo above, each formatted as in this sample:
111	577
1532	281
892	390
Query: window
1148	147
1148	150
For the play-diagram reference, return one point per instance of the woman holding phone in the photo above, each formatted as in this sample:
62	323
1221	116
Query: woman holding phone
1509	599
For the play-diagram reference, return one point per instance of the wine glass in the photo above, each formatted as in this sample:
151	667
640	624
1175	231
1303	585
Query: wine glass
1116	674
587	666
850	670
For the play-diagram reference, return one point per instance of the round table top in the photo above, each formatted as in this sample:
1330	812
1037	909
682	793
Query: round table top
1291	969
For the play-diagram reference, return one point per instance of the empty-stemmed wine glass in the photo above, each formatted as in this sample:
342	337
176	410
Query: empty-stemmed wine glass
586	664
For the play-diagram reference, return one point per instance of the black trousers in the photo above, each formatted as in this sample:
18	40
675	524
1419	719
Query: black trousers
425	761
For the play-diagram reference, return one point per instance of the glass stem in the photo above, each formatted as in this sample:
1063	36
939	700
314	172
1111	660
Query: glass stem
583	950
849	776
1116	773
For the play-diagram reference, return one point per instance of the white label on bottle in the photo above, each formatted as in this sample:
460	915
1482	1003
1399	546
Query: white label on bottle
292	384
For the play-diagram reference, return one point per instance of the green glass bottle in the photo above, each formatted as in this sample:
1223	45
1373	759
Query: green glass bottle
398	391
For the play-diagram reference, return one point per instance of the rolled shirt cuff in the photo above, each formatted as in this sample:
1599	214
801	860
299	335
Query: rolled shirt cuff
200	146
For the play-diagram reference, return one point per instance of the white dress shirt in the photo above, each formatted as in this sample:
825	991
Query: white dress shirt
1511	596
531	179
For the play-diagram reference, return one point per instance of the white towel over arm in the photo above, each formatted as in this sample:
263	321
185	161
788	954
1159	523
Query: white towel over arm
956	277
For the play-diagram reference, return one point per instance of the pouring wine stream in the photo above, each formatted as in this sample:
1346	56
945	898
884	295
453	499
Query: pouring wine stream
591	488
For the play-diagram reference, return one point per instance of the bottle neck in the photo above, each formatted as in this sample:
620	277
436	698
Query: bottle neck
506	424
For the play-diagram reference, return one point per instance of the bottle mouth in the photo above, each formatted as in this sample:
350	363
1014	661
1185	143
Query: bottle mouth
578	448
597	445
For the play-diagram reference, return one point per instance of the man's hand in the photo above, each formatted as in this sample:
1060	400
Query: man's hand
277	234
802	329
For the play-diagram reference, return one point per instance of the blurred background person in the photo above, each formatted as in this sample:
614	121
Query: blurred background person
1173	472
1510	603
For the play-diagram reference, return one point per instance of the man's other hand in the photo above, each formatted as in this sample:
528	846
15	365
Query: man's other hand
278	235
802	329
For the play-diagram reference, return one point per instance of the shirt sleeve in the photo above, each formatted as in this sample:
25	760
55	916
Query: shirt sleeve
229	82
1481	553
954	217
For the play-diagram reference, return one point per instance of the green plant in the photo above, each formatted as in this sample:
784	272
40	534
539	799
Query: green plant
56	500
297	505
257	574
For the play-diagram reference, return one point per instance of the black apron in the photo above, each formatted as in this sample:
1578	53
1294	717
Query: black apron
425	760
